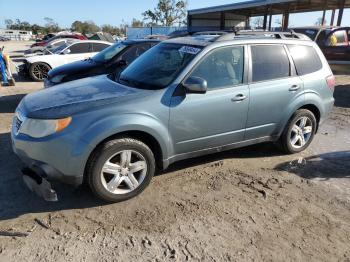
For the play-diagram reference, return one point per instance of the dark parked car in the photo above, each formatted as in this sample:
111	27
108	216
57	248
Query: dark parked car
108	61
334	43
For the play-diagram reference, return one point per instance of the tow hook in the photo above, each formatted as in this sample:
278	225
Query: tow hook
38	184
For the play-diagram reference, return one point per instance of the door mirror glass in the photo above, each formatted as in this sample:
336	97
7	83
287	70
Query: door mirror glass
122	63
196	84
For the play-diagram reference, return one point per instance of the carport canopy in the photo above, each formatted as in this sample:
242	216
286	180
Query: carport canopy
265	8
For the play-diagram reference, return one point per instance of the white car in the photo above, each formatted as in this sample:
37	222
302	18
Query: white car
39	66
47	50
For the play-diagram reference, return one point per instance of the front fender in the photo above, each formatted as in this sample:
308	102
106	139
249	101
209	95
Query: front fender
115	124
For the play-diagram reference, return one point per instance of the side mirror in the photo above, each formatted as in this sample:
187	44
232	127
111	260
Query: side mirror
122	63
196	85
66	52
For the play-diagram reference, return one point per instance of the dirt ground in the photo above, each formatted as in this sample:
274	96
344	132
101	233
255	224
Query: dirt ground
249	204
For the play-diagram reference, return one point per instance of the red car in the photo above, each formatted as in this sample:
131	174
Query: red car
334	43
46	42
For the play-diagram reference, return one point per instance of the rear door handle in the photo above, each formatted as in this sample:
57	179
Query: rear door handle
294	88
238	98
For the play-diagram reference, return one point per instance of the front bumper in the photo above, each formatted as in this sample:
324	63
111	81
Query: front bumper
59	157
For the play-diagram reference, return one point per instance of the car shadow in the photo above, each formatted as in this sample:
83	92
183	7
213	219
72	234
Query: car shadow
323	166
16	199
342	96
8	104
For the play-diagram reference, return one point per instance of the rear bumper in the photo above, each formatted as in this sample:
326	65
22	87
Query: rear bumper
328	106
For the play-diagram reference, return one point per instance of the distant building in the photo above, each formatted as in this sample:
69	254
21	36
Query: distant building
16	34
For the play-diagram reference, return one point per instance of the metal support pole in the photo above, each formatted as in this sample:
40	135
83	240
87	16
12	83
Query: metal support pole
323	17
247	22
285	21
270	21
332	17
189	23
222	20
340	14
265	21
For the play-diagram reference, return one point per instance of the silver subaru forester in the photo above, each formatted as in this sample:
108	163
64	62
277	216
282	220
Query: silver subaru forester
182	98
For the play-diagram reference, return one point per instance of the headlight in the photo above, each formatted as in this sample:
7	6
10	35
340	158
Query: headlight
38	128
57	79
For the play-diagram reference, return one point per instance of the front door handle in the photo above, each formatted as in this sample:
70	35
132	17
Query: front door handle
294	88
238	98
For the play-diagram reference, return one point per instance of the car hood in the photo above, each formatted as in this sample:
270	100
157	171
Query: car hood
77	96
73	68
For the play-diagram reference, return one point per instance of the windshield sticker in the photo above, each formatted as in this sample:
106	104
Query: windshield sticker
190	50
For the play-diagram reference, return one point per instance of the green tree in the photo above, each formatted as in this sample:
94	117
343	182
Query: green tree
50	25
319	22
8	23
87	27
167	13
136	23
113	30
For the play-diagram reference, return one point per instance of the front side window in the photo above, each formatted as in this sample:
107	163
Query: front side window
108	53
337	38
159	66
305	58
80	48
269	62
223	67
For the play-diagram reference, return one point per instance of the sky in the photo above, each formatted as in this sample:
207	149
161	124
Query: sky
113	12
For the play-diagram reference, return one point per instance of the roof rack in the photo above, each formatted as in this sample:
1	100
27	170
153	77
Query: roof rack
213	33
225	36
277	34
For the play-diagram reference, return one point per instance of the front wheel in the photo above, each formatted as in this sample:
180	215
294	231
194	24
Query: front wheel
39	71
120	169
299	132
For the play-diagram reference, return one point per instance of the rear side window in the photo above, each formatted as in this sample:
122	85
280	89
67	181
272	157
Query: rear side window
80	48
269	62
305	58
97	47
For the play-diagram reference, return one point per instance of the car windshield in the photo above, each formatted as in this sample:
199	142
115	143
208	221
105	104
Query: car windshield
312	33
159	66
108	53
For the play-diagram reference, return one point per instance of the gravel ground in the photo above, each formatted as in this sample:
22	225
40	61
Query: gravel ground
249	204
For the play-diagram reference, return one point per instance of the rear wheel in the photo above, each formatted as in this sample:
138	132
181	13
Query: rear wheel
299	132
120	169
39	71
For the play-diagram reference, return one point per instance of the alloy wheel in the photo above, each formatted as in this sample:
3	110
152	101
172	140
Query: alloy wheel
301	132
124	172
40	71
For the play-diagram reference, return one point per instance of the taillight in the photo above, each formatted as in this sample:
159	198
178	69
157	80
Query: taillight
331	82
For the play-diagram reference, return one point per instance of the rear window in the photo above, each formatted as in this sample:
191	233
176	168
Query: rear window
312	33
305	58
269	62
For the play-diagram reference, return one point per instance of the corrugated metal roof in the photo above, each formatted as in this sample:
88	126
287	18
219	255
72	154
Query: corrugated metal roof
258	7
241	5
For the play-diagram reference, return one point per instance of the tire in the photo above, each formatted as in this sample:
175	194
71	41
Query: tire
292	133
116	184
38	71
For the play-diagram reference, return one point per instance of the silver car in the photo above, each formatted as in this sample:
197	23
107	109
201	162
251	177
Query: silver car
181	99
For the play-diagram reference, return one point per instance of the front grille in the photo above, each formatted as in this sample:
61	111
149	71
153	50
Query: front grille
17	122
